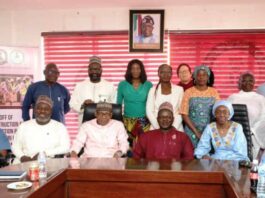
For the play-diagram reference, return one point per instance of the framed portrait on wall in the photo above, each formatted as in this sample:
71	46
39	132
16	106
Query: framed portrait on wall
146	30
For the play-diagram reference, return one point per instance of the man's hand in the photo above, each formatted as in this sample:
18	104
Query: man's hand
118	154
86	102
206	157
73	154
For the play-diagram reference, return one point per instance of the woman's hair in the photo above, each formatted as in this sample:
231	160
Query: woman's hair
128	74
159	68
247	73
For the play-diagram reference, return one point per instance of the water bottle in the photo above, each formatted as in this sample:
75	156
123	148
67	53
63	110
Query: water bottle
42	165
254	176
261	179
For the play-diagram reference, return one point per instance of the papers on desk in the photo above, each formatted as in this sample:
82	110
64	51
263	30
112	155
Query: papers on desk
6	175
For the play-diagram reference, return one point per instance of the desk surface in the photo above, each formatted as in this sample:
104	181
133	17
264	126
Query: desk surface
238	177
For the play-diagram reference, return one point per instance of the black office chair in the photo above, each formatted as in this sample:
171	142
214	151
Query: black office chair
90	109
89	114
241	116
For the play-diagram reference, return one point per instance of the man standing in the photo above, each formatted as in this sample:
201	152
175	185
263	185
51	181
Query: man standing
102	136
40	134
166	142
51	88
147	35
92	90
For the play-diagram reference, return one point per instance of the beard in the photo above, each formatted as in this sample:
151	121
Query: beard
43	120
95	77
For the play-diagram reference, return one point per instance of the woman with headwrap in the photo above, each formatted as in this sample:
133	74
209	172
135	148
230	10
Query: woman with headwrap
226	136
164	91
255	105
197	104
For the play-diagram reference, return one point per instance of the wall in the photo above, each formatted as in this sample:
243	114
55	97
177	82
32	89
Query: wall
23	28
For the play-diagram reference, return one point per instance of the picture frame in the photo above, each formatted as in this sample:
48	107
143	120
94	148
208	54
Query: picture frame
146	32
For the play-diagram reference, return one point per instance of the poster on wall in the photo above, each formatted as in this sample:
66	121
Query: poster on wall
18	69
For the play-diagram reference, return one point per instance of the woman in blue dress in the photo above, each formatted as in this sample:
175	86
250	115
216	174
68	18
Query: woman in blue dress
226	136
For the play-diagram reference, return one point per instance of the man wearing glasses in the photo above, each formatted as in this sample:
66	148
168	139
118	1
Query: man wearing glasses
51	88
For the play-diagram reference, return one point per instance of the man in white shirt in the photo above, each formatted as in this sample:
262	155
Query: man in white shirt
102	136
94	89
40	134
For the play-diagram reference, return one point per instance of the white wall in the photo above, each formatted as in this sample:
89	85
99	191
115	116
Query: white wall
23	28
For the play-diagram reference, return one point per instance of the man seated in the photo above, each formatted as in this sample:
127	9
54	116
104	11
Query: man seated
102	136
40	134
165	142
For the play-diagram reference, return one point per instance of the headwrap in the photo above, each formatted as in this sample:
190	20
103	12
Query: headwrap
167	106
95	59
201	67
103	106
225	103
44	99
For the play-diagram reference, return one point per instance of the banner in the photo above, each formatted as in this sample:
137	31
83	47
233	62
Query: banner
18	69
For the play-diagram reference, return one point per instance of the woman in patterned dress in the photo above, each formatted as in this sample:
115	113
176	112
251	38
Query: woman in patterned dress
197	104
227	137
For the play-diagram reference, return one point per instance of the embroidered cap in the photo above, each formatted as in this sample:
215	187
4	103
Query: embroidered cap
148	19
94	59
167	106
104	106
44	99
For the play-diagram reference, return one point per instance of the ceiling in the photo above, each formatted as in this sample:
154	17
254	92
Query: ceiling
87	4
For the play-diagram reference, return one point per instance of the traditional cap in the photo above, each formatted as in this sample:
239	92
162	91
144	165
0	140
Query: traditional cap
167	106
103	106
94	59
44	99
225	103
148	19
4	142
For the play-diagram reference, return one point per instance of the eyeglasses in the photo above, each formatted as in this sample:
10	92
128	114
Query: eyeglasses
52	72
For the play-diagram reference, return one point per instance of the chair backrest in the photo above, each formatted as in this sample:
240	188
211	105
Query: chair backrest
241	116
90	109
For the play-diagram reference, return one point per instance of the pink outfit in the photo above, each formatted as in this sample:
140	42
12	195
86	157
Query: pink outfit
101	141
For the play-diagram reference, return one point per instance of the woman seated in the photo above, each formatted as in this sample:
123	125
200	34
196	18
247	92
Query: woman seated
226	136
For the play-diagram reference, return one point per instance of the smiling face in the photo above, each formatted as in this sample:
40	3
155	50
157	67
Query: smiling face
165	119
136	71
94	72
184	74
202	78
147	29
247	83
222	114
165	73
103	117
42	113
51	73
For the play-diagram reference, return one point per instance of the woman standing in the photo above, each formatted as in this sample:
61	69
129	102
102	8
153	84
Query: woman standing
227	137
133	93
197	104
165	91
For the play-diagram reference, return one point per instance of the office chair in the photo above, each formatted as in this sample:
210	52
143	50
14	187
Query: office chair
90	109
241	116
89	114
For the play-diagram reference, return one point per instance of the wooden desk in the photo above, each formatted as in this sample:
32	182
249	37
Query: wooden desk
137	178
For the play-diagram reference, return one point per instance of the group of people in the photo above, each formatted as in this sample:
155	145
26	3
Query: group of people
165	121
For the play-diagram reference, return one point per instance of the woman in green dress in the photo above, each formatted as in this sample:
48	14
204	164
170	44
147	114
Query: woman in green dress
133	92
